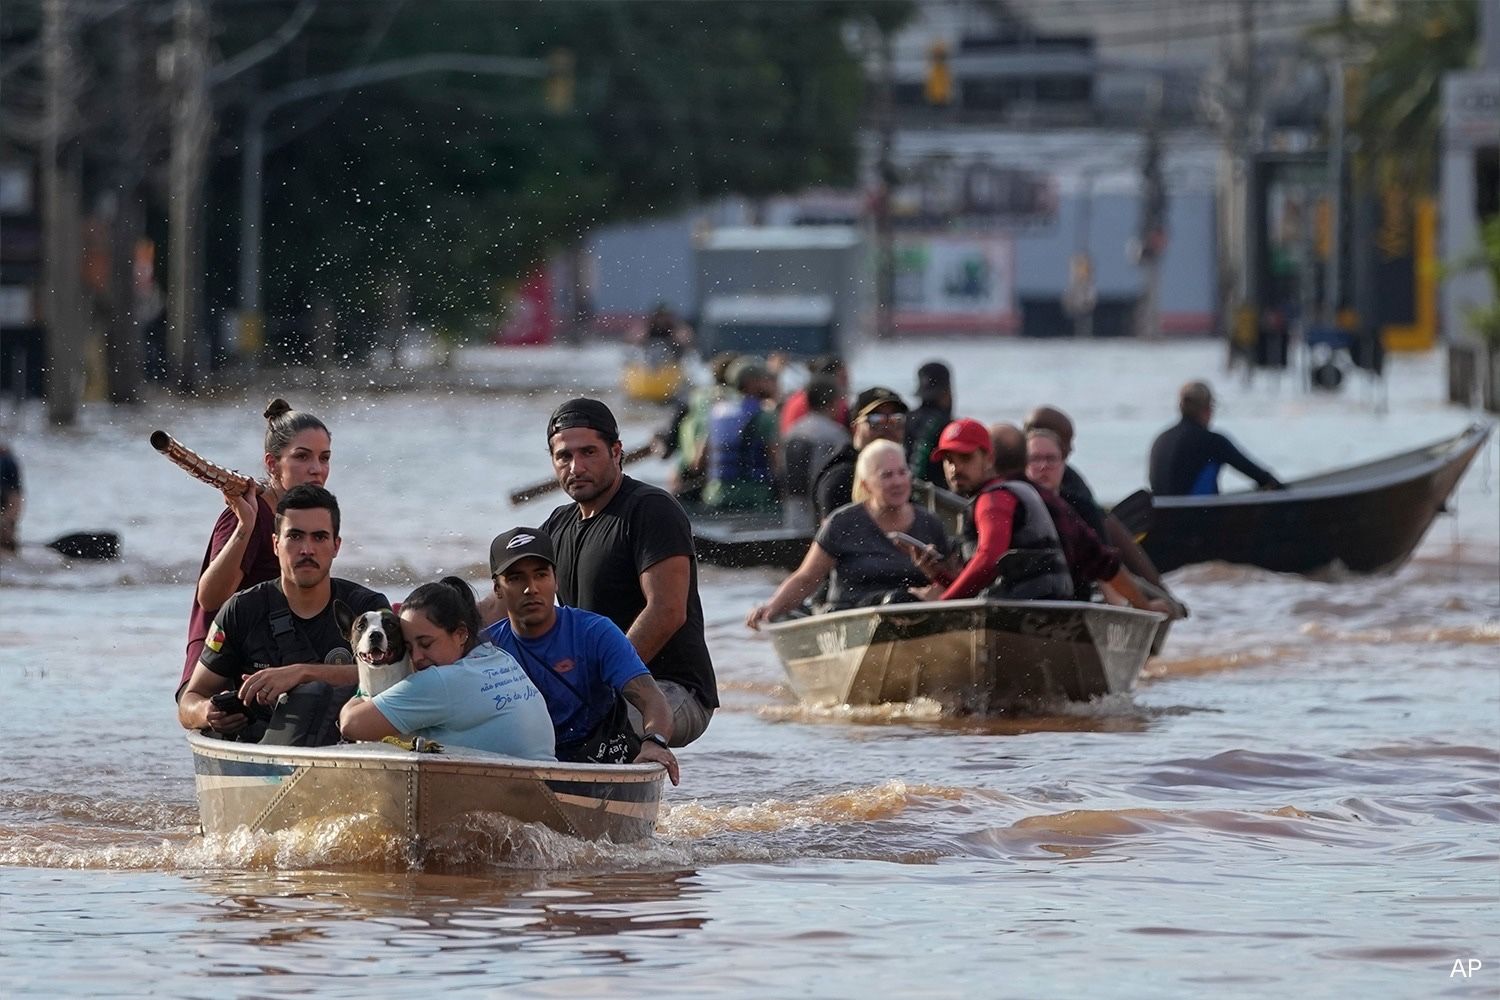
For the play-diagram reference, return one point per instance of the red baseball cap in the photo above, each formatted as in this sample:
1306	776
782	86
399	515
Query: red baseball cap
962	437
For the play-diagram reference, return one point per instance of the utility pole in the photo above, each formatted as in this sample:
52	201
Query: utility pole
885	184
62	171
1153	234
191	123
127	221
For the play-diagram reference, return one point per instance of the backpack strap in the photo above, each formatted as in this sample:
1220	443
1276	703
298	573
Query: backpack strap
291	645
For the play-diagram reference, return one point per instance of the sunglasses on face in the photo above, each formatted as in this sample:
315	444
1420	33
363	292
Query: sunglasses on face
879	420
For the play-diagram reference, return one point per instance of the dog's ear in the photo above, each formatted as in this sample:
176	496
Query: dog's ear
343	616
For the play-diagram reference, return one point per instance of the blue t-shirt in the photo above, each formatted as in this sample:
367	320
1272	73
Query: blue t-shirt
580	666
484	701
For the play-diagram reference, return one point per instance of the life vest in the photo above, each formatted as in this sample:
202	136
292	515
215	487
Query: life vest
736	453
1034	568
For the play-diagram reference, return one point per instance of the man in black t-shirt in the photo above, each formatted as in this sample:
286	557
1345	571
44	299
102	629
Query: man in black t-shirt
273	638
625	551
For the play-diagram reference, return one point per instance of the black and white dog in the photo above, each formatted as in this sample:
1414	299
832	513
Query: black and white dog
379	648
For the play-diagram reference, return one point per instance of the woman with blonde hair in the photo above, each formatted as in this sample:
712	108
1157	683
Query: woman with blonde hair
854	549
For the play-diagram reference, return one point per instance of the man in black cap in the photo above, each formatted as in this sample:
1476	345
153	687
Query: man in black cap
625	551
926	422
585	668
878	413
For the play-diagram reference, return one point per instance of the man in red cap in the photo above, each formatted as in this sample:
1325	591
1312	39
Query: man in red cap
1008	540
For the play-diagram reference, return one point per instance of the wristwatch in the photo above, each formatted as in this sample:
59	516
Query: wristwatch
656	738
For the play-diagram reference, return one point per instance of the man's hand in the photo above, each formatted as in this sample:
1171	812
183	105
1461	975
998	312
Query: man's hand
225	722
268	684
931	592
655	753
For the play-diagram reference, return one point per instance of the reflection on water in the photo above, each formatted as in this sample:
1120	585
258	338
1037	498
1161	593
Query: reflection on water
1305	787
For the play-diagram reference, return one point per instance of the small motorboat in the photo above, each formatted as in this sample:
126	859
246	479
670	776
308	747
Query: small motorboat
740	540
652	374
419	795
1366	518
974	655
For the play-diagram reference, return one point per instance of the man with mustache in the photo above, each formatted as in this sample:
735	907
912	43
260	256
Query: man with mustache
585	668
625	551
281	637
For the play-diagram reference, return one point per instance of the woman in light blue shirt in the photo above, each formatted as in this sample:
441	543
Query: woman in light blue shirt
465	692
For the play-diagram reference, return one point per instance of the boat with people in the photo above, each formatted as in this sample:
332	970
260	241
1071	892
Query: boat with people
977	655
419	795
1366	518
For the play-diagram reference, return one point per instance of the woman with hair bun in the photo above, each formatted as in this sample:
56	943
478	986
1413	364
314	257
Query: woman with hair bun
465	692
298	449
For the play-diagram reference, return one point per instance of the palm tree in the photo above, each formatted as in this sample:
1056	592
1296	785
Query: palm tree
1401	53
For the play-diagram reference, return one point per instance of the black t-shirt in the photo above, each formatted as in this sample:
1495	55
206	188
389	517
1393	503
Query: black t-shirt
1075	490
599	565
240	640
833	485
866	563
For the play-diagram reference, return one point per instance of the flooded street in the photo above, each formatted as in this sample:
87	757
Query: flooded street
1302	794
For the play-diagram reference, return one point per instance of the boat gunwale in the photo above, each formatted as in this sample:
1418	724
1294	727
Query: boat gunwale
383	756
966	604
1460	447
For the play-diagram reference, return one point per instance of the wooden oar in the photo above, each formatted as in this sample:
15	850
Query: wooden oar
198	467
545	486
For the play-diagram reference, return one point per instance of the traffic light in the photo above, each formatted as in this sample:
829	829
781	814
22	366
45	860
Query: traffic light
559	87
938	87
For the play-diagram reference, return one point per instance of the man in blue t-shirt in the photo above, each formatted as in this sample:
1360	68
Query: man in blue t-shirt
585	667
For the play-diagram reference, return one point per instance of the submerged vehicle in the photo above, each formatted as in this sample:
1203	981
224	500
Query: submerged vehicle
974	655
1365	519
419	795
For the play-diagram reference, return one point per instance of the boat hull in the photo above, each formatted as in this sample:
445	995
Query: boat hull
1367	519
969	656
418	796
650	384
740	541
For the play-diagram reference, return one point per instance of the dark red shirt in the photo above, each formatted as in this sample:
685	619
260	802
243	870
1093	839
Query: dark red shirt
1089	559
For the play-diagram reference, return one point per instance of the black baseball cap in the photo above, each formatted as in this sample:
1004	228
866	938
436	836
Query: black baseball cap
583	412
517	544
872	399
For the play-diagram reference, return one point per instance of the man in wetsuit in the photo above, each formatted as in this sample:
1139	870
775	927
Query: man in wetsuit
1008	539
625	551
1186	457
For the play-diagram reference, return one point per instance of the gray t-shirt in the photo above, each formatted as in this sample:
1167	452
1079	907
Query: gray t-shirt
866	563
